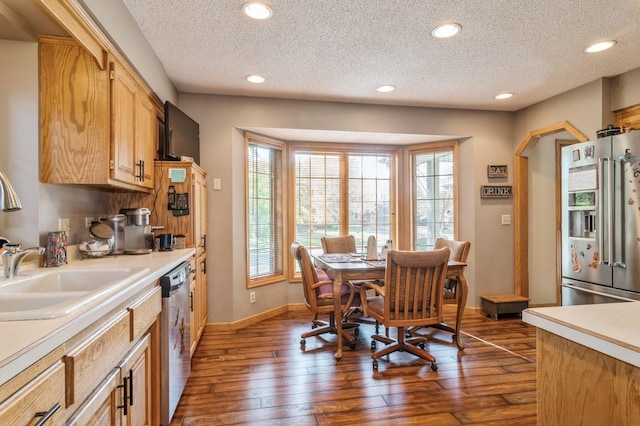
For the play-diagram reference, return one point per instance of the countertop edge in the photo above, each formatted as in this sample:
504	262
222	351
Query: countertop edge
588	338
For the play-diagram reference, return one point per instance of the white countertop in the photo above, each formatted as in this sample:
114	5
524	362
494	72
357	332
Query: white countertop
25	342
609	328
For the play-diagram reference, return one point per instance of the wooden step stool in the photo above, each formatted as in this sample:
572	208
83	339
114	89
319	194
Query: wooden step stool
494	305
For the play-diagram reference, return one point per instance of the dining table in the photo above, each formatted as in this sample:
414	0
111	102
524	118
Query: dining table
349	267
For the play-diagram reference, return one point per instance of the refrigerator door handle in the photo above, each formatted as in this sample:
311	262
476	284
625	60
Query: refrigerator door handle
618	258
605	181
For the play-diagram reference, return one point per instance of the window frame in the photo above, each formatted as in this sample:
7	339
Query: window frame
414	150
251	138
344	149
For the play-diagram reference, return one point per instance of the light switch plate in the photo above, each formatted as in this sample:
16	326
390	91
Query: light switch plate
506	219
216	184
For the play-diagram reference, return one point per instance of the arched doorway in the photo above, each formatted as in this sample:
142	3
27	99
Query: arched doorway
521	199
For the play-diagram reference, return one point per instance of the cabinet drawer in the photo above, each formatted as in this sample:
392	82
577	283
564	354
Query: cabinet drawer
41	395
144	312
101	407
95	357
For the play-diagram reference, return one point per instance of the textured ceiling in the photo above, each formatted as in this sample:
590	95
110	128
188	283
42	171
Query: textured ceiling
341	50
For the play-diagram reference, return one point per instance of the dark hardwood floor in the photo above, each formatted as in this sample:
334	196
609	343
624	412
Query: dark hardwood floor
260	376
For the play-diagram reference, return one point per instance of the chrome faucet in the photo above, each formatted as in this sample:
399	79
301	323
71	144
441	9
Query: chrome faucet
13	255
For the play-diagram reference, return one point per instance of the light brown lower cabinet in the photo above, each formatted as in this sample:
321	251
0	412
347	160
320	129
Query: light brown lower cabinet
578	385
105	375
40	399
199	301
124	398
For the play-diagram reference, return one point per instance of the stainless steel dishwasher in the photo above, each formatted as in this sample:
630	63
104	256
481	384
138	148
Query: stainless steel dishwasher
175	360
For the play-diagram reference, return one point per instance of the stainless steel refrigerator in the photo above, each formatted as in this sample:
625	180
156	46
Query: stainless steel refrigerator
601	220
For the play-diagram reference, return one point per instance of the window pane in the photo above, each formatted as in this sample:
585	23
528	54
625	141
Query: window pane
317	198
367	209
370	209
433	197
264	210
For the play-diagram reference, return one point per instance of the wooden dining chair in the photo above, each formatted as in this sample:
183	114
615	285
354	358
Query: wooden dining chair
318	296
458	250
343	244
346	244
412	297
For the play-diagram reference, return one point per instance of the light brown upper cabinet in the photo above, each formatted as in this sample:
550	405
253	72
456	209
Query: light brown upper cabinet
98	126
133	130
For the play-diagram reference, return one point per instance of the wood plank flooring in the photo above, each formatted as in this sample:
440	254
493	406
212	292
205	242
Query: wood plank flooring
260	376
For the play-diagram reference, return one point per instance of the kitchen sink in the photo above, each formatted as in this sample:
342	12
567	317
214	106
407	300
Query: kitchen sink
39	305
53	294
66	280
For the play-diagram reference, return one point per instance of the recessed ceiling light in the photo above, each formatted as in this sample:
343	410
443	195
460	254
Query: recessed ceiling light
254	78
386	88
257	10
506	95
599	46
446	30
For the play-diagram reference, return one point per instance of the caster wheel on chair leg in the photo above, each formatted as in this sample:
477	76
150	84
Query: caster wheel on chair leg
373	345
434	366
352	345
356	331
375	365
453	338
303	342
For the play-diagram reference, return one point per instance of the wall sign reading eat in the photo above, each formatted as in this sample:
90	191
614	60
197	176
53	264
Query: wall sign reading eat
495	191
494	171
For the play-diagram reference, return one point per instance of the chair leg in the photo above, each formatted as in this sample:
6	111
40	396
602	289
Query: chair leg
413	345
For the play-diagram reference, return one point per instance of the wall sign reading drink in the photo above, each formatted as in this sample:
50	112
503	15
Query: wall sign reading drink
496	191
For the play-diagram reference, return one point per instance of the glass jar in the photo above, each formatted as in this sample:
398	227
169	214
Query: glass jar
95	241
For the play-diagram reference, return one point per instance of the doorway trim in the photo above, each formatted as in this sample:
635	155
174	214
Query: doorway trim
521	199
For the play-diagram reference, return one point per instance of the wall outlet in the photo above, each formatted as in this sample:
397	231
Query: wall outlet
506	219
63	224
87	221
252	297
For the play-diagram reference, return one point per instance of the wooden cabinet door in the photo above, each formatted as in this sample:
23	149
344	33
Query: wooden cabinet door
200	211
201	301
193	326
146	139
74	115
103	407
123	108
135	373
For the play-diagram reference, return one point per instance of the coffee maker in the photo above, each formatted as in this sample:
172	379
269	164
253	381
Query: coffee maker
138	238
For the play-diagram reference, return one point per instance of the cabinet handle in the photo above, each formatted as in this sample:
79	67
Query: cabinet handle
191	301
46	414
125	397
140	166
204	242
204	267
130	387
